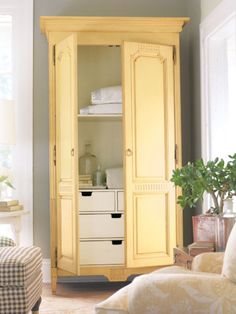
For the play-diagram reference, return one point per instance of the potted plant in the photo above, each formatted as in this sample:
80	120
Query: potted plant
4	181
218	179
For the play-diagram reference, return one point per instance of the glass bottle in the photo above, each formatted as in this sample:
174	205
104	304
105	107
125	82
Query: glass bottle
98	177
87	162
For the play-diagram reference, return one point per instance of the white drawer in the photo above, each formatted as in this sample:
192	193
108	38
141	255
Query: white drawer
101	252
120	201
101	226
96	201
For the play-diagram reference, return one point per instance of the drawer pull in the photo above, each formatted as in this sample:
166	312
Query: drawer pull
115	215
116	242
86	193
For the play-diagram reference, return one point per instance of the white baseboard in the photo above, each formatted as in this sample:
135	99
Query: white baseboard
46	269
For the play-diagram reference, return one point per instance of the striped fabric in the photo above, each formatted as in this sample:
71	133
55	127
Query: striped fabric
5	241
20	300
18	264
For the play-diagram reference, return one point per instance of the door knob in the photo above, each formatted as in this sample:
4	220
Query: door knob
129	152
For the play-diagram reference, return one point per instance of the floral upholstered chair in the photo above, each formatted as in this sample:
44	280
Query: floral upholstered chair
20	278
209	288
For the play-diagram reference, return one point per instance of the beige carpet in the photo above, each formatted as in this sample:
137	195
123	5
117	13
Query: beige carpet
61	305
76	298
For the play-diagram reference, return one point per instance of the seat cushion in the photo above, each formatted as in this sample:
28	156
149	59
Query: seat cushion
118	302
182	292
18	265
115	304
229	264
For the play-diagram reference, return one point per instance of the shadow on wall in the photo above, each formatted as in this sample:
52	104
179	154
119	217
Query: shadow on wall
191	101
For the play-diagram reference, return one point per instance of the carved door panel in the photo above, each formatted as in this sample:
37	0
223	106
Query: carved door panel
66	153
149	126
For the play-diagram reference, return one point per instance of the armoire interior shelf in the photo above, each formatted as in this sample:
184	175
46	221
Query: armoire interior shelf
107	117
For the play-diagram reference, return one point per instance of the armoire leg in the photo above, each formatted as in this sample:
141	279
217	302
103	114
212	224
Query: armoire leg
54	281
35	309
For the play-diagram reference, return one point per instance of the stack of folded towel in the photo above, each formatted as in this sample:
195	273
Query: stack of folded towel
106	100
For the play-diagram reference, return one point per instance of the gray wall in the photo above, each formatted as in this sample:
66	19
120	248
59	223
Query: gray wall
197	11
41	130
191	99
194	12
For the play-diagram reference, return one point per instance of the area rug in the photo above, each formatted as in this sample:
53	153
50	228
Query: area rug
76	298
62	305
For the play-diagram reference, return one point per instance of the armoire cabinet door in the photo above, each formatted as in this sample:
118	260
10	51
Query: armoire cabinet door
149	154
66	153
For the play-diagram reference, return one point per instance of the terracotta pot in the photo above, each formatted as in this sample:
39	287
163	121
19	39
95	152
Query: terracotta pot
204	228
213	228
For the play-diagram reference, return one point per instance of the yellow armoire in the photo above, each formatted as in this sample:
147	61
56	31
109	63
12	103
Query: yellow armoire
115	232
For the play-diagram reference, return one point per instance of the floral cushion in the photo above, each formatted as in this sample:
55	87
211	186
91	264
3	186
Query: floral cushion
116	304
173	290
210	262
182	292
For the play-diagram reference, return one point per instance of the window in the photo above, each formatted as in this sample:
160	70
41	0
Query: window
16	51
218	76
6	56
6	92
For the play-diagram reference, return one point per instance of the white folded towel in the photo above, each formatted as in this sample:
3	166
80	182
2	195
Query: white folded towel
114	178
107	95
102	109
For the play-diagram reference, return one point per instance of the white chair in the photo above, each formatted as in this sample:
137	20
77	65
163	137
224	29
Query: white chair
210	288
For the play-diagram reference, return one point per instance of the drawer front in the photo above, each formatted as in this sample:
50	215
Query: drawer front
101	253
100	226
96	201
120	201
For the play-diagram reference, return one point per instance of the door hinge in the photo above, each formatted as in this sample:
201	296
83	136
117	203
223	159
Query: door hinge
54	55
176	153
174	54
54	155
56	257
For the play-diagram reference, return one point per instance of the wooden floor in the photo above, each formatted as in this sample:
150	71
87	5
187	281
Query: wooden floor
73	298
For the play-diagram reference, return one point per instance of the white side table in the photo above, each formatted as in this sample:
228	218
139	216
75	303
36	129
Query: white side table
13	219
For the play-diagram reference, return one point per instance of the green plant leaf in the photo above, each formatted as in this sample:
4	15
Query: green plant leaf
214	177
5	180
